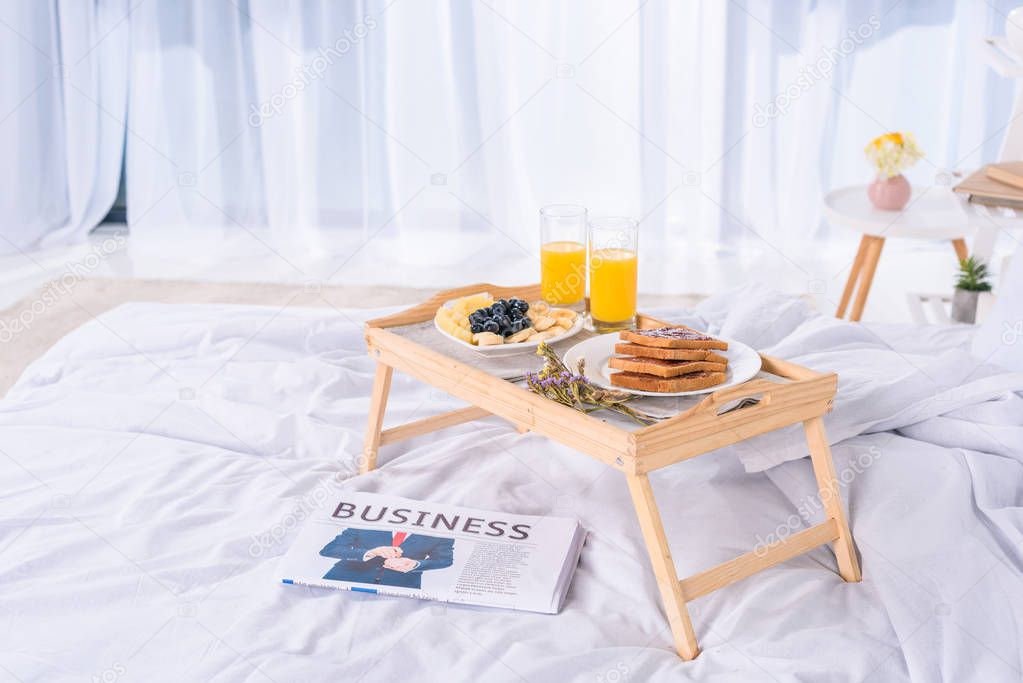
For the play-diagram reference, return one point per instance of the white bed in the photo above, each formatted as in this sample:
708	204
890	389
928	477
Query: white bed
157	461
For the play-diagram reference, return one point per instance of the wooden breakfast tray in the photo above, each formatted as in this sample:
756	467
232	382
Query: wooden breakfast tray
786	393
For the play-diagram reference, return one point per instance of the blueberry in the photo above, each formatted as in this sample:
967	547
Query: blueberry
519	304
485	312
476	328
503	321
491	326
498	309
527	321
515	314
517	326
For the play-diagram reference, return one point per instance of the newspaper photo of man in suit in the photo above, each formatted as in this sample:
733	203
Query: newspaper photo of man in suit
387	558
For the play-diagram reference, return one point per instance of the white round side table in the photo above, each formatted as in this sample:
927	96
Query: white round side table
933	213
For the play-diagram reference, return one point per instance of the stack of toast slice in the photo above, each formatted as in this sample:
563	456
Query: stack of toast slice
668	360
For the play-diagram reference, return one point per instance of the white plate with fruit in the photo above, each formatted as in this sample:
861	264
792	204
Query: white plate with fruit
502	327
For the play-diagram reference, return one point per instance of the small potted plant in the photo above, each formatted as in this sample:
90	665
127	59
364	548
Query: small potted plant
972	282
891	154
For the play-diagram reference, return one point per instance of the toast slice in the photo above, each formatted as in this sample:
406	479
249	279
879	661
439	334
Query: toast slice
680	337
664	368
669	354
690	382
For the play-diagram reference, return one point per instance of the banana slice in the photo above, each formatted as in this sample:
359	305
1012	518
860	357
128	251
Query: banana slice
520	336
487	339
540	336
542	322
539	308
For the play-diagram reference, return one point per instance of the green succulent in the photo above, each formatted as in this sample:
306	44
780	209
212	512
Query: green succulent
973	275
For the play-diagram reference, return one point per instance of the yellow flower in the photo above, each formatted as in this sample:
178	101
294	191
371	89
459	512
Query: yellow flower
892	152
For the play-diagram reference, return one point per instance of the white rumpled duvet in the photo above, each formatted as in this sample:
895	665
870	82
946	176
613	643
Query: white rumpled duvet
157	461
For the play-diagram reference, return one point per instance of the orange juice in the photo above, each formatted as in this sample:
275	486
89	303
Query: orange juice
563	272
612	285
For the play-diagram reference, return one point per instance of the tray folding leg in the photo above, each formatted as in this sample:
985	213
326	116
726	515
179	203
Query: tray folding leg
831	498
664	566
377	405
675	594
377	436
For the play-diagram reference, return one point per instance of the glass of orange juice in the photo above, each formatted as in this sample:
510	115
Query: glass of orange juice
563	255
612	245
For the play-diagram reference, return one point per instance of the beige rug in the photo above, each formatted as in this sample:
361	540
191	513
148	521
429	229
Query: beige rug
34	324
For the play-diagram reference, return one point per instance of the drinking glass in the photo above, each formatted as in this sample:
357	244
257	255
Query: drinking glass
612	245
563	255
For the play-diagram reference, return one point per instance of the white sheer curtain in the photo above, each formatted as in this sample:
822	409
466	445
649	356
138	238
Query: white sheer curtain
439	128
425	121
429	131
63	97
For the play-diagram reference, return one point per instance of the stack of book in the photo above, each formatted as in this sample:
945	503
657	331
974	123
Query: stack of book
996	185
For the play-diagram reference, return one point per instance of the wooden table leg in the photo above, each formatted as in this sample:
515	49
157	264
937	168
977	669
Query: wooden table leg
854	275
831	498
664	566
870	260
377	405
961	251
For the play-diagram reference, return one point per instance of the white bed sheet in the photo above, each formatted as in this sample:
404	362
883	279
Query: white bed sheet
157	461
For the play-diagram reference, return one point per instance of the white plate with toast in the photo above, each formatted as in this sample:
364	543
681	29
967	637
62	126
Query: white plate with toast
743	364
510	348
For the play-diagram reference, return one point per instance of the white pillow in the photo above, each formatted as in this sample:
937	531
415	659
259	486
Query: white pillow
999	340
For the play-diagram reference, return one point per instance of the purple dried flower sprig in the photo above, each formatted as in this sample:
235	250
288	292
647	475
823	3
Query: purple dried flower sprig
558	383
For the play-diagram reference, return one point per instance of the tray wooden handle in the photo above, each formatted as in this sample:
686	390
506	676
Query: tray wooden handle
771	396
426	310
802	383
755	388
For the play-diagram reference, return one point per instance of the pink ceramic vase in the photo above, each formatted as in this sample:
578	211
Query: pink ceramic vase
890	194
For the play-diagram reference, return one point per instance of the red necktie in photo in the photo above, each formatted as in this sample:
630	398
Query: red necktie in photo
399	538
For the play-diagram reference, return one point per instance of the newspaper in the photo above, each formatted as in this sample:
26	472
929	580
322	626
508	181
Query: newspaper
372	543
